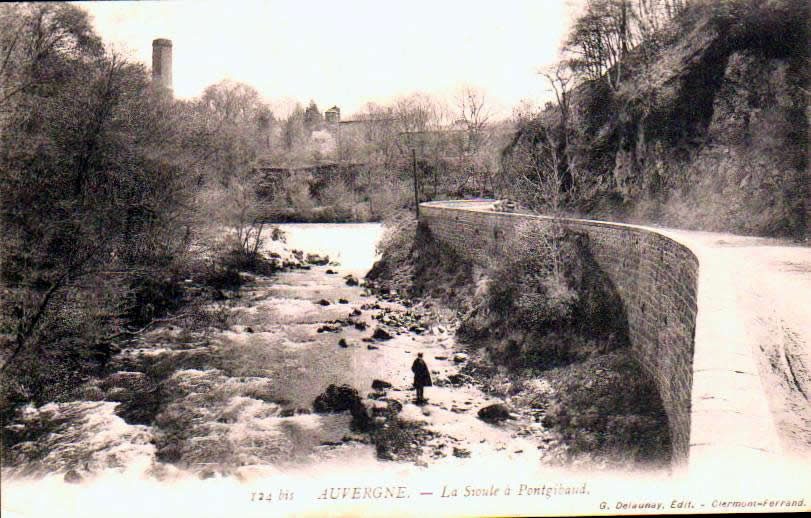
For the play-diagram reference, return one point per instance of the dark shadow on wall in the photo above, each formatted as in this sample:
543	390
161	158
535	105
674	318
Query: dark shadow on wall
600	307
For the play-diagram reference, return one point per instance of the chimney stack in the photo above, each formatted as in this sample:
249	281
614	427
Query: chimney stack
162	63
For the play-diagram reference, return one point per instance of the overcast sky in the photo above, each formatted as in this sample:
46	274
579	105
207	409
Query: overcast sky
347	52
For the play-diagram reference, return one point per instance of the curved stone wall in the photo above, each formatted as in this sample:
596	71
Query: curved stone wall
656	278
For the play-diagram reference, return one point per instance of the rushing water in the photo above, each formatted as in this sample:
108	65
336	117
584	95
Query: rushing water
236	401
226	396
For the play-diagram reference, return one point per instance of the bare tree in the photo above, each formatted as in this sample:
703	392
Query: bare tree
561	80
474	118
602	37
33	40
293	129
541	159
475	113
536	166
417	122
413	115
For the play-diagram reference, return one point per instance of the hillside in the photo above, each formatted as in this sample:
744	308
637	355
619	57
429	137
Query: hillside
706	130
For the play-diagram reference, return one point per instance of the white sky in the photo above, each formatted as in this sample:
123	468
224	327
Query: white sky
347	52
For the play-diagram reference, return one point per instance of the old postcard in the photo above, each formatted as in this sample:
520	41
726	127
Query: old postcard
422	259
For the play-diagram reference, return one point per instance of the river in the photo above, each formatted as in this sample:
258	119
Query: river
232	406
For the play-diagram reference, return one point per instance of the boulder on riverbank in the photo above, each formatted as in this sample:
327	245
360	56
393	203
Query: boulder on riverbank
317	259
380	384
360	325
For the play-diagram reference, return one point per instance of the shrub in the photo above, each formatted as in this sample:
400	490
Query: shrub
547	302
389	197
608	407
398	239
151	297
531	286
339	195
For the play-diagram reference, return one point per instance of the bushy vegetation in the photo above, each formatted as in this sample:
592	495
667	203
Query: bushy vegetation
417	265
542	301
336	194
546	301
113	195
608	409
531	287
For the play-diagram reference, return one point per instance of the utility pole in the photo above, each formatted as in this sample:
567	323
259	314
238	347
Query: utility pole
416	191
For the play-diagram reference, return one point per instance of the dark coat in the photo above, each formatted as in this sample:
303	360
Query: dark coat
422	378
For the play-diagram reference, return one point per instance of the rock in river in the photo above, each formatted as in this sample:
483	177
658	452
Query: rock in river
329	328
340	398
494	413
459	357
317	259
461	452
381	334
336	398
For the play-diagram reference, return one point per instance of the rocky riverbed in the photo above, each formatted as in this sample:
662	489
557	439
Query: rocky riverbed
237	400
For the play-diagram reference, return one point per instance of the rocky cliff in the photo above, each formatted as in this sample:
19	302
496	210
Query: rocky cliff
709	127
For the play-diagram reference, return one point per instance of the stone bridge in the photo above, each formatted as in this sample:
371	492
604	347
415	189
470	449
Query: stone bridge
721	323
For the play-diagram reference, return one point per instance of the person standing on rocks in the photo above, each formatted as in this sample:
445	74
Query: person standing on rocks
422	378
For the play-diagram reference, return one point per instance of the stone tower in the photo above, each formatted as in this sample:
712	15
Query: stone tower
162	63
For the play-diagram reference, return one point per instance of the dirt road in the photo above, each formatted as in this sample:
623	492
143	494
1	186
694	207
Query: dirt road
754	322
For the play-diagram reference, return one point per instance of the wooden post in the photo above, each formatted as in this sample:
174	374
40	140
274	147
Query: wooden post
416	191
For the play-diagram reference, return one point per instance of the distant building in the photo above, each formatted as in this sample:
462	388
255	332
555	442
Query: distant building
333	115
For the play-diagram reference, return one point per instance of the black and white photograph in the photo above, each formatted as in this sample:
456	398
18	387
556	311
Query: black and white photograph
426	258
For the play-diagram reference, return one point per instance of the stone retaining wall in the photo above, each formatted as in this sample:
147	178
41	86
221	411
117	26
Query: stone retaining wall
655	276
